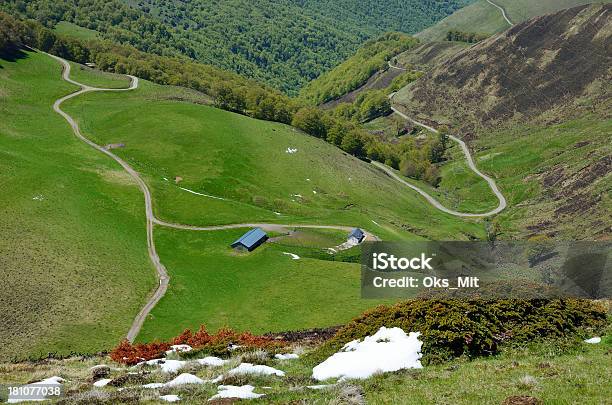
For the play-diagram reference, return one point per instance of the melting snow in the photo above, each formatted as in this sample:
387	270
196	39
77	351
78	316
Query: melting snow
203	195
593	340
248	368
170	398
153	385
288	356
319	387
102	382
184	378
232	391
387	350
167	366
293	255
211	361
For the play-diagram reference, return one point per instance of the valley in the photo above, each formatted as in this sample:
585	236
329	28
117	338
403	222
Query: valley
187	205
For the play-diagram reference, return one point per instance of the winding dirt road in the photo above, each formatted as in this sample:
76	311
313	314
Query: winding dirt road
151	220
468	156
503	11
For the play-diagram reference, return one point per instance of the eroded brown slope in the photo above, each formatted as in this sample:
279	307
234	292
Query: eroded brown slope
547	68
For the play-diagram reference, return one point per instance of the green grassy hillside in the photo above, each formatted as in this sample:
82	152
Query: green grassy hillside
479	17
75	222
482	17
261	291
73	252
245	162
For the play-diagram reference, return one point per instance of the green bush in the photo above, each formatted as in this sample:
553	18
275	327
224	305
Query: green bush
453	328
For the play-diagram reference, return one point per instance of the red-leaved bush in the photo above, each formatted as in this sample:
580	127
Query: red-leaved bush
130	354
217	343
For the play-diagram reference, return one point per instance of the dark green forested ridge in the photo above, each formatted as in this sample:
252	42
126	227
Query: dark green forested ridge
284	43
356	70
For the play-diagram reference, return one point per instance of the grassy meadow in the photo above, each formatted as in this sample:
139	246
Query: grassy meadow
97	78
261	291
73	253
245	163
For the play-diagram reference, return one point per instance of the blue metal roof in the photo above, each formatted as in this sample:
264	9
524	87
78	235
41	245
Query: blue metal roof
251	238
357	233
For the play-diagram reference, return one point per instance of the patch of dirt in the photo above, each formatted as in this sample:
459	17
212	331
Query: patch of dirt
305	336
178	179
553	177
581	144
578	204
590	174
522	400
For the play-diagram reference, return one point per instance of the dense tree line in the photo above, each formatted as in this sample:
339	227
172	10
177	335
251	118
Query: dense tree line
356	70
284	43
462	36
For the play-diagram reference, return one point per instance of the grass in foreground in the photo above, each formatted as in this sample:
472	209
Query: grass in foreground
553	372
73	251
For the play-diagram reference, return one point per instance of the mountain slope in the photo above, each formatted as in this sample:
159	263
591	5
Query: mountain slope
284	43
484	17
535	104
545	68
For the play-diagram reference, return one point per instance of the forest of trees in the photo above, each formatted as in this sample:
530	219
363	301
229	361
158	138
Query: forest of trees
356	70
282	43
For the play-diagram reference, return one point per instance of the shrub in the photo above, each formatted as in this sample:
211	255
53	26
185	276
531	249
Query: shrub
214	344
452	328
130	354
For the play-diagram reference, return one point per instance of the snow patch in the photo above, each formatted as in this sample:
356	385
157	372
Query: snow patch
233	391
248	368
102	382
203	195
170	398
211	361
319	387
183	379
593	340
167	366
288	356
389	349
293	255
153	385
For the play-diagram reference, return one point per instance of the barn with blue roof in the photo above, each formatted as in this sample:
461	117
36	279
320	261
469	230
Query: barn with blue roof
250	240
356	236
